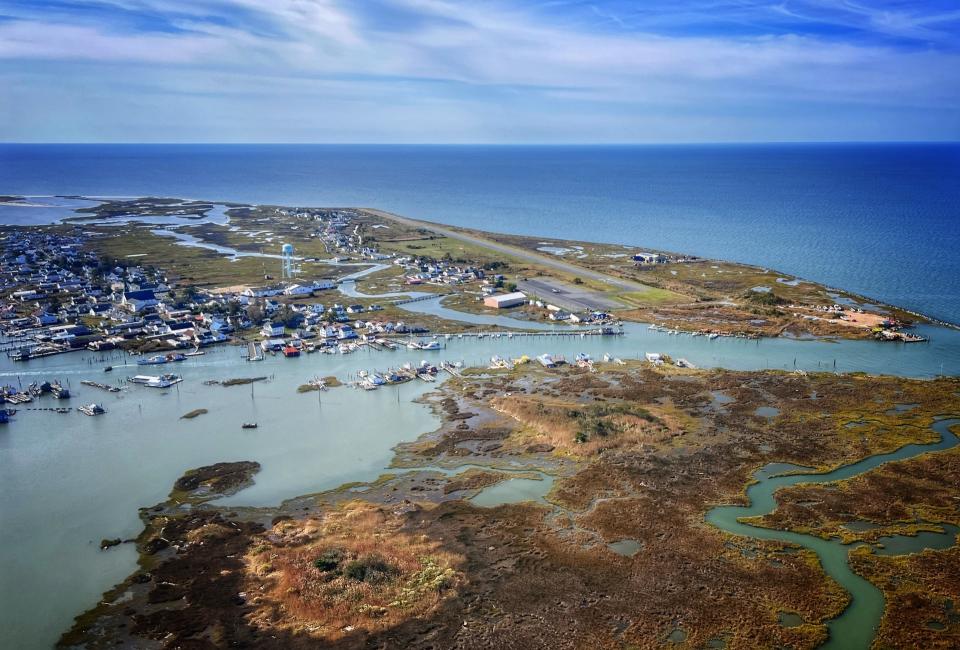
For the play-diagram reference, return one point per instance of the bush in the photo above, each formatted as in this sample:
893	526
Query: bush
329	559
371	569
767	298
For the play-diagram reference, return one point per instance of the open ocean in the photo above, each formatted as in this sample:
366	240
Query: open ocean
878	219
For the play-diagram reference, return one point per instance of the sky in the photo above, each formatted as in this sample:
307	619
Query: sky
479	71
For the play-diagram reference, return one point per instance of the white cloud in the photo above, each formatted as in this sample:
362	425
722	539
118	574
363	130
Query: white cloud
473	65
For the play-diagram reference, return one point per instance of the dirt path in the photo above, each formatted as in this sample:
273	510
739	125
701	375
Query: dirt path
544	260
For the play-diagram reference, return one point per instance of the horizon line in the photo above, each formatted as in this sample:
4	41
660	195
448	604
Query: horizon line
478	144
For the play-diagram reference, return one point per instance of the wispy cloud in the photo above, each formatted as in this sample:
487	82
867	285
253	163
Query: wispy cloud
555	70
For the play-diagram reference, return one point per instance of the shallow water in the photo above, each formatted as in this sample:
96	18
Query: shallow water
625	547
905	544
856	626
514	490
70	480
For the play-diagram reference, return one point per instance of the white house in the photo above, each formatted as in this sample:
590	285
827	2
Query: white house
137	301
271	330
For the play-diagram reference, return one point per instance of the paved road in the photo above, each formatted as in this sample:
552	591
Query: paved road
536	258
566	296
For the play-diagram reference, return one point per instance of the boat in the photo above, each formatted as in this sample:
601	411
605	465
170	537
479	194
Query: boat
155	360
20	355
151	381
108	369
248	425
59	392
430	345
197	352
713	336
546	361
92	409
291	351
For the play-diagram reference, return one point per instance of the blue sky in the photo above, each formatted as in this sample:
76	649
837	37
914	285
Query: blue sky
489	71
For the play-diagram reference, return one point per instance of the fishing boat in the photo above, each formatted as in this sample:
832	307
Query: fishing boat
92	409
59	392
21	355
248	425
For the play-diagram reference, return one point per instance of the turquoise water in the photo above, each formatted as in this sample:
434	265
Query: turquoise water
873	218
854	629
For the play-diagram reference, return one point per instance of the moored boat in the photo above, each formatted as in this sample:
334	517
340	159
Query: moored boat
92	409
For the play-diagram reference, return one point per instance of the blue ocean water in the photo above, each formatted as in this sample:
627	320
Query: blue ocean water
879	219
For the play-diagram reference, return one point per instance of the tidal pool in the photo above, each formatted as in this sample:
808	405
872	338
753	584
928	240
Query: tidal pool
514	490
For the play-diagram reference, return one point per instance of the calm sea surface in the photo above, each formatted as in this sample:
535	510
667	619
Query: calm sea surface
882	219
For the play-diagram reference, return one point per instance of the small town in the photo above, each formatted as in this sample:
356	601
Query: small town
57	297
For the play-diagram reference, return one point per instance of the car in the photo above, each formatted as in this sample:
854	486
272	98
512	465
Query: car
555	290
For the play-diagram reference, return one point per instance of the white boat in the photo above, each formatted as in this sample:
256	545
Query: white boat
546	361
194	353
430	345
151	381
92	409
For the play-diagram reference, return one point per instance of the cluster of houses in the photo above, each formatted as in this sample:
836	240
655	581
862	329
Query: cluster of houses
55	297
554	313
424	270
646	258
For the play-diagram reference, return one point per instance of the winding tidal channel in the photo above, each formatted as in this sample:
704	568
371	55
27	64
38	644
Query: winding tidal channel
856	627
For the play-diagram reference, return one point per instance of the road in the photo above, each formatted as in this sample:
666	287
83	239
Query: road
529	256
